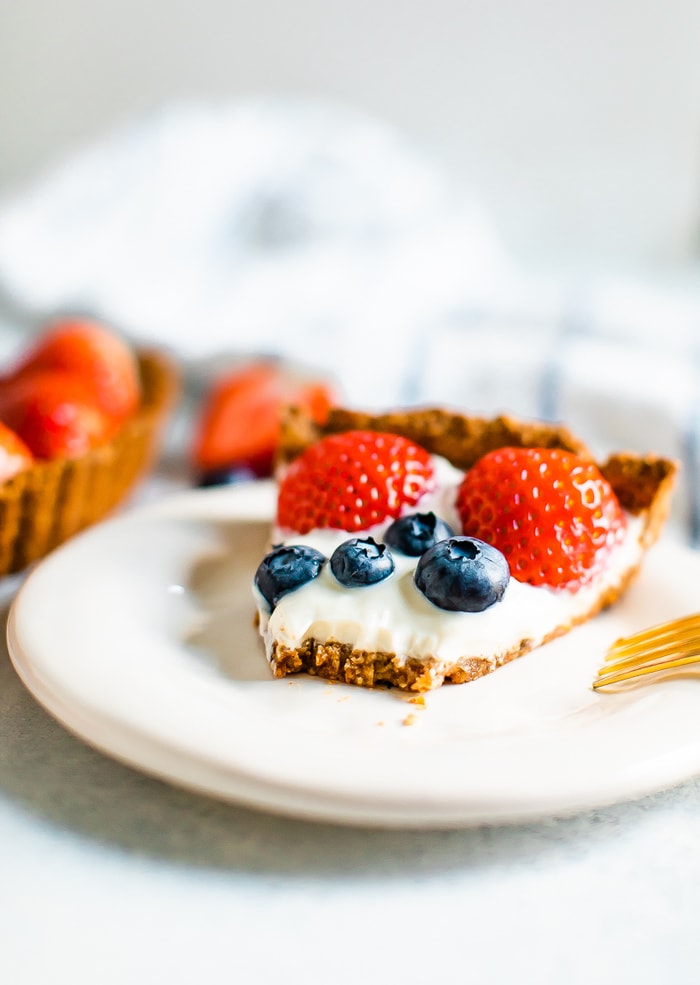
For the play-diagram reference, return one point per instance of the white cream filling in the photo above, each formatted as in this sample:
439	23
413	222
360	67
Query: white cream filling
395	617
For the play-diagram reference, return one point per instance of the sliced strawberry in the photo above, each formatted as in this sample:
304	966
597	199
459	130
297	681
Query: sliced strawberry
54	414
105	362
14	454
552	514
352	481
239	423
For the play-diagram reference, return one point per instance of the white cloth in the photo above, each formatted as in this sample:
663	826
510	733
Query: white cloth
270	224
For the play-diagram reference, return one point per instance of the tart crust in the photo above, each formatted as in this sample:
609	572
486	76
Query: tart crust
643	485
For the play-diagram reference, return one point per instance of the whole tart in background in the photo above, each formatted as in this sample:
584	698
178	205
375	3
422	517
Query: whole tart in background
44	505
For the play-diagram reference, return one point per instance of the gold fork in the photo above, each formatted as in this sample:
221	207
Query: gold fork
664	649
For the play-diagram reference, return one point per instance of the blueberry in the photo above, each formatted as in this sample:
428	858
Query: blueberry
226	476
359	562
286	568
462	574
415	533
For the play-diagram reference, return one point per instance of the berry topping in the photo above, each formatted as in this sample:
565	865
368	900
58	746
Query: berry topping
239	422
462	574
54	413
286	568
552	513
352	481
359	562
415	533
105	363
226	476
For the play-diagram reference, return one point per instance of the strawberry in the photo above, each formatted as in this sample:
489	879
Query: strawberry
53	413
239	423
14	454
552	514
101	358
352	481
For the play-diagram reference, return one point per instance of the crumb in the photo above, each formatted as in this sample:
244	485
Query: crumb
409	720
380	723
417	700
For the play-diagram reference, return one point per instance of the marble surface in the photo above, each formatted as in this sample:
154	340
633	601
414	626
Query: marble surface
109	875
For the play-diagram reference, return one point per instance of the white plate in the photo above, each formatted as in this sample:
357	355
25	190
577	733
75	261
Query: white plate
138	635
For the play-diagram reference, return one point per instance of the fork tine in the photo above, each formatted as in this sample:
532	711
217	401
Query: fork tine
665	647
655	650
643	670
660	632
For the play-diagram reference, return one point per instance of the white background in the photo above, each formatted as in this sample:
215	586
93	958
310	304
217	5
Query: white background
578	123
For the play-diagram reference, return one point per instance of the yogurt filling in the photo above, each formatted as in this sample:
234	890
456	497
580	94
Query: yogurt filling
393	616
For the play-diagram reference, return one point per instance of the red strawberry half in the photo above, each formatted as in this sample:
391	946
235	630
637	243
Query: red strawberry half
552	514
106	364
54	413
352	481
239	422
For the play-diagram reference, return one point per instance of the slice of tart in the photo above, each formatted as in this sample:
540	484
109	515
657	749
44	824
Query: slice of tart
419	547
